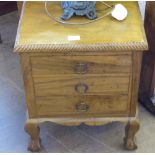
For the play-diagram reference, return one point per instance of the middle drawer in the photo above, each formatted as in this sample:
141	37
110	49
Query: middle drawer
77	84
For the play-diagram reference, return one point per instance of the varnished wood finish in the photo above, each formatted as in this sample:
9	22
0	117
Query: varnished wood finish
131	129
75	121
65	85
32	129
95	65
98	105
107	34
136	68
28	83
92	81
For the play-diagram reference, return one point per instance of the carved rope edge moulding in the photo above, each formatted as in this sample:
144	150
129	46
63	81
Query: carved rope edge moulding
138	46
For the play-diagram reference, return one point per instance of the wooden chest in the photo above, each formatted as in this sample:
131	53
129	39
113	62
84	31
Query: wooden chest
92	80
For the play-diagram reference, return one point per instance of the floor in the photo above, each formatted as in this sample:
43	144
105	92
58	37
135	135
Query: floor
55	138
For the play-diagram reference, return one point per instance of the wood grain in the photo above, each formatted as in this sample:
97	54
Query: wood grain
130	131
32	128
44	65
98	105
56	92
65	85
137	58
71	121
28	85
107	34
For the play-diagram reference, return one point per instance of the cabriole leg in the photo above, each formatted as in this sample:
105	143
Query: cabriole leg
131	129
32	129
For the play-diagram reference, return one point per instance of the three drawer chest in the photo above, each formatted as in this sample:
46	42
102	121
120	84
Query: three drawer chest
93	79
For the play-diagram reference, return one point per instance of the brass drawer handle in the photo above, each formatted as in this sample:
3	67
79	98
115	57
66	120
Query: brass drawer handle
82	107
81	88
81	68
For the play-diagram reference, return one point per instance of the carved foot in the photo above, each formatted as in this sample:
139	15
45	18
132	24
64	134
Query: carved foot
34	145
131	129
32	129
129	144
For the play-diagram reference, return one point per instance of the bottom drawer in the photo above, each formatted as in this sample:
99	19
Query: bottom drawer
76	105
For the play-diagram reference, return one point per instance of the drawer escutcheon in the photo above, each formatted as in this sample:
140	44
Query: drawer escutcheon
81	88
82	107
81	68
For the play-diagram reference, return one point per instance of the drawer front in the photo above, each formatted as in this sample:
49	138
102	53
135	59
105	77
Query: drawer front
98	105
78	85
80	64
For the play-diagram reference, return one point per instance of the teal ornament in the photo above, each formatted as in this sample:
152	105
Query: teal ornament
79	8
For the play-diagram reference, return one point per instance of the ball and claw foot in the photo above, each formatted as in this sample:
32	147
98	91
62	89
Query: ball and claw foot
130	131
129	144
32	129
34	145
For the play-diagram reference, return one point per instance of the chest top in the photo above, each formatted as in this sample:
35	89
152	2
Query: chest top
37	32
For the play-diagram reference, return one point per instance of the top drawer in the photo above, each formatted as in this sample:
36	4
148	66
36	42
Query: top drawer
44	65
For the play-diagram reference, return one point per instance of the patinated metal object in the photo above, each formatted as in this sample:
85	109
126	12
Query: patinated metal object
80	8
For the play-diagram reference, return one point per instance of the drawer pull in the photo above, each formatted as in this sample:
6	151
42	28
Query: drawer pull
81	88
82	107
81	68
